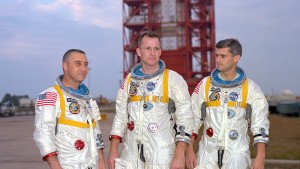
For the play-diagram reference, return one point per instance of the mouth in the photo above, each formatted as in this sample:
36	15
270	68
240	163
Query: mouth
83	74
152	59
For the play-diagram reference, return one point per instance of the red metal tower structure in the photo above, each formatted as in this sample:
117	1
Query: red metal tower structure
187	31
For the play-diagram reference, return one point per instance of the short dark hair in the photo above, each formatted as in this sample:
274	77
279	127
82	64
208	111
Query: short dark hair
149	34
69	52
234	46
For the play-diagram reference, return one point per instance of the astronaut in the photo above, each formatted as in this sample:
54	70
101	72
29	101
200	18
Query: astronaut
67	130
155	134
227	103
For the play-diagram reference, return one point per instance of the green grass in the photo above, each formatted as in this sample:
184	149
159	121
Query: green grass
284	138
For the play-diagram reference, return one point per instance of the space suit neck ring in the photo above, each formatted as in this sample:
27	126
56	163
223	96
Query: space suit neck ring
217	81
137	74
86	96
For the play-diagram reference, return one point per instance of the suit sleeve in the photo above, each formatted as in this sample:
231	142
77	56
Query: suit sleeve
46	111
260	110
183	114
97	130
121	118
197	99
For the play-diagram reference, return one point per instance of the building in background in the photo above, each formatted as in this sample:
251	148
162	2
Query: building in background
285	103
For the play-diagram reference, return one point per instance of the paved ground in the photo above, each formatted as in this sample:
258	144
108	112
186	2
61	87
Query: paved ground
18	151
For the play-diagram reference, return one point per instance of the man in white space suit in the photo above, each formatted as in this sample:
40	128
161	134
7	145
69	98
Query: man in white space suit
67	130
227	103
155	134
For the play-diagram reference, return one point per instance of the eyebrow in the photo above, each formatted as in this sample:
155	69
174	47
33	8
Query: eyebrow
78	61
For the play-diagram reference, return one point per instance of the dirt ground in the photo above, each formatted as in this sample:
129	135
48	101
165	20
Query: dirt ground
292	165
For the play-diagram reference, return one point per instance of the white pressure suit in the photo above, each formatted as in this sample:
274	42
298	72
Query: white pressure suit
66	123
146	118
224	108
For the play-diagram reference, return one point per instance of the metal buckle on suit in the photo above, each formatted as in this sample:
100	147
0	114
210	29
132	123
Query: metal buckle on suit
159	98
143	96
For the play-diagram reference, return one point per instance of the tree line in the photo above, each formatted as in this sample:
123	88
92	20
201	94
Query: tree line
8	98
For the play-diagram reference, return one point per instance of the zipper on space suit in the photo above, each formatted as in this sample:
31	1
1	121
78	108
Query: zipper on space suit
222	134
93	144
140	144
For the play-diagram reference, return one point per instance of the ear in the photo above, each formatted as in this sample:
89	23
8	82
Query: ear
138	51
237	58
64	66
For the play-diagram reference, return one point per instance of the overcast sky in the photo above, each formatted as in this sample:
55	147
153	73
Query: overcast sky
34	34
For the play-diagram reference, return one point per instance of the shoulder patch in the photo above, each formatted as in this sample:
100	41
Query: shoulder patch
125	81
123	84
47	99
196	90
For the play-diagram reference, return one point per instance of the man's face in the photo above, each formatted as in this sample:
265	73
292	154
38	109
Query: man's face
149	51
75	68
225	60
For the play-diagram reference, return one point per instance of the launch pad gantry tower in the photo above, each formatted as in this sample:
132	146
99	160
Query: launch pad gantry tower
186	29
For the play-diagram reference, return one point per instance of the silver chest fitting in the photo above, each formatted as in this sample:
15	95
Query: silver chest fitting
224	127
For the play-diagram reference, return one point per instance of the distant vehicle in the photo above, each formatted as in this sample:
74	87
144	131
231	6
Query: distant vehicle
288	108
7	108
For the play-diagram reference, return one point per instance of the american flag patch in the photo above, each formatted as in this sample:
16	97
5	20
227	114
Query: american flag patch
47	99
123	84
196	90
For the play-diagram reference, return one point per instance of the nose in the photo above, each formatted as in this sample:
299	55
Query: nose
217	59
84	68
152	51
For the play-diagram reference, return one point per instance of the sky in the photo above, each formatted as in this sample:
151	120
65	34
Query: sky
34	35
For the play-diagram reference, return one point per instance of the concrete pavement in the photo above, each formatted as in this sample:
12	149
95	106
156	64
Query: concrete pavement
17	148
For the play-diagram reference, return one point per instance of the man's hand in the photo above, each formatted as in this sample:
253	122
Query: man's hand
113	153
259	161
54	163
190	159
111	159
101	163
178	159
